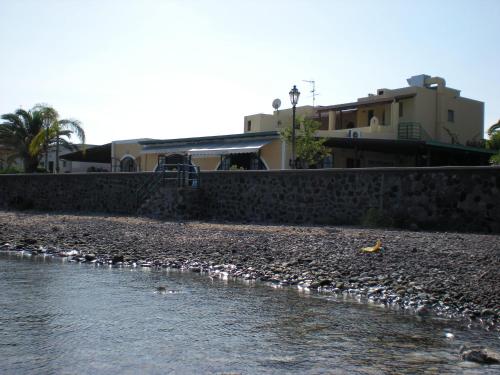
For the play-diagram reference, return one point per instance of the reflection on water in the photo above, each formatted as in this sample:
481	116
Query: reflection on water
79	319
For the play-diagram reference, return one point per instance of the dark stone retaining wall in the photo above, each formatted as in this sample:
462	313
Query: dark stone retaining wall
453	198
444	198
94	192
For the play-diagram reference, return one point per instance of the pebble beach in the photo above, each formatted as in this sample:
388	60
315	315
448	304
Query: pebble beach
427	273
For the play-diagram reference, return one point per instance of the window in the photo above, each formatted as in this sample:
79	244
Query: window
400	109
451	115
249	125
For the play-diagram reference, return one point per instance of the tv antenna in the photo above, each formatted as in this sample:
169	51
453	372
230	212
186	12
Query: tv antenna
313	89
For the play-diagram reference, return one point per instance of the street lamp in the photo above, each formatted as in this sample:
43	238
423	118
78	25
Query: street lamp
294	98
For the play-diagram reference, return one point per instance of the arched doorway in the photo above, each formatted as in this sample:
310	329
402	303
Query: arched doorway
128	164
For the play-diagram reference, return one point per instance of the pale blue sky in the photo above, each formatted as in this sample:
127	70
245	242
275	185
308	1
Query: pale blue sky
169	69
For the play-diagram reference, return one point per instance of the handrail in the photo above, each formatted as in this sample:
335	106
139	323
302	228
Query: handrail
186	175
411	131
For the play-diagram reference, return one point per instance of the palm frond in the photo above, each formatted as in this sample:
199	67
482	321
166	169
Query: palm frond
493	128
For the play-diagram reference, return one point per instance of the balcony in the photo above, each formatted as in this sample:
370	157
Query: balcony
412	131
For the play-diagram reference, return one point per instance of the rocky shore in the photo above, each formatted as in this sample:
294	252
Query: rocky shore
447	274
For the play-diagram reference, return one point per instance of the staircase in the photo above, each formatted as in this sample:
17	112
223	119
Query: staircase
172	192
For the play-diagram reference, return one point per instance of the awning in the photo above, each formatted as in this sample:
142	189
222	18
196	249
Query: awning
211	148
229	148
97	154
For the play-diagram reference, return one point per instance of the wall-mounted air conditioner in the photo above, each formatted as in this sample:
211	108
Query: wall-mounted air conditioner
354	133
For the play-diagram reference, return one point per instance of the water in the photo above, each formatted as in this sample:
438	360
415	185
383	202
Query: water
61	318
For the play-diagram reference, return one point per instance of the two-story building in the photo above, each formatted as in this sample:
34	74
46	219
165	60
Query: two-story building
423	124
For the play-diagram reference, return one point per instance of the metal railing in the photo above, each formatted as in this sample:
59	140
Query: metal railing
186	175
410	131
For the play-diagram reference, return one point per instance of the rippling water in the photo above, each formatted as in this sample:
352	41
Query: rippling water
61	318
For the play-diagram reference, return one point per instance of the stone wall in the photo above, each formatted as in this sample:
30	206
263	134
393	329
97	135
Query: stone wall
451	198
443	198
94	192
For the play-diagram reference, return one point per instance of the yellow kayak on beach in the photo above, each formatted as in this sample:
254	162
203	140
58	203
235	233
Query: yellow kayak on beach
373	249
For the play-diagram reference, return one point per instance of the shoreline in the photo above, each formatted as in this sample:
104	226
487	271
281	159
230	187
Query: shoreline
453	275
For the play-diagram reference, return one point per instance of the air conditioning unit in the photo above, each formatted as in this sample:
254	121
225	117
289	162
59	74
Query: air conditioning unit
354	133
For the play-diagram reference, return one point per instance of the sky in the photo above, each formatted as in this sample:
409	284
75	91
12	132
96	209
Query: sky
171	69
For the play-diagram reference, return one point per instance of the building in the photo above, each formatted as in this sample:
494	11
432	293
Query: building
423	124
68	164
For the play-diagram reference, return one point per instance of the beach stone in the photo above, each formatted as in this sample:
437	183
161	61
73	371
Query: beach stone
479	354
90	257
117	258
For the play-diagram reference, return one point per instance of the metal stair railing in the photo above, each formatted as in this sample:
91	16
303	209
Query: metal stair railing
186	175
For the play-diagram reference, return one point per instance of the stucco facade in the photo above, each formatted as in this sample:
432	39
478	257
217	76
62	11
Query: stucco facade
425	123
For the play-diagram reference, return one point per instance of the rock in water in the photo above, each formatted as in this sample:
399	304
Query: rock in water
479	354
117	258
161	289
89	257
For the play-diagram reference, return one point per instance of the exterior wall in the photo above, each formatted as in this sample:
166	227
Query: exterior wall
451	198
469	119
263	122
120	149
370	159
207	163
149	162
460	198
271	154
91	192
81	167
423	110
260	123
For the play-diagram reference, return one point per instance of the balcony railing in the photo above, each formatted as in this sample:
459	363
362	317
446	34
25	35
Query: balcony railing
411	131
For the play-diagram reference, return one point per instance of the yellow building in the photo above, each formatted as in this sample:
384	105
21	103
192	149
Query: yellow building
423	124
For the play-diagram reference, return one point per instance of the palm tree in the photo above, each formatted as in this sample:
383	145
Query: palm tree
29	133
494	142
54	134
18	131
494	128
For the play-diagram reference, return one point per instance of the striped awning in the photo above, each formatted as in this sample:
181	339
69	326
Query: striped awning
210	148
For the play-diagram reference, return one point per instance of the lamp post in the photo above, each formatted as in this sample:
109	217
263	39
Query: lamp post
294	98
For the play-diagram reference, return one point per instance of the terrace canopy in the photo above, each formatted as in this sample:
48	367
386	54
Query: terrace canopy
210	148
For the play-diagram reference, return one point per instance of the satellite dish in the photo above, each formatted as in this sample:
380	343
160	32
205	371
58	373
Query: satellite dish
276	104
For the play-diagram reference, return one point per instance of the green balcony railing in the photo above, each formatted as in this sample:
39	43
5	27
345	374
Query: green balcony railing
411	131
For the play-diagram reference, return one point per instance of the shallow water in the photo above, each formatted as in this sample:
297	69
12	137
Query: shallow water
62	318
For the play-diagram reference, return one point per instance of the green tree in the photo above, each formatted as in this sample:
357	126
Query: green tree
57	135
27	134
18	131
493	142
309	148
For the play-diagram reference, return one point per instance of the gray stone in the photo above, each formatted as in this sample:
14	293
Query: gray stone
479	354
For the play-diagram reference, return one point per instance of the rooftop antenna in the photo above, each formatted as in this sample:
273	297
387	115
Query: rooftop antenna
276	106
313	90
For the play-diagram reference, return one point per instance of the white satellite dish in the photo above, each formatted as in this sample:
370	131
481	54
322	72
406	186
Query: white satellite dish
276	104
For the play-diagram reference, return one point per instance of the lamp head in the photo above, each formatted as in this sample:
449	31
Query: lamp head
294	95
